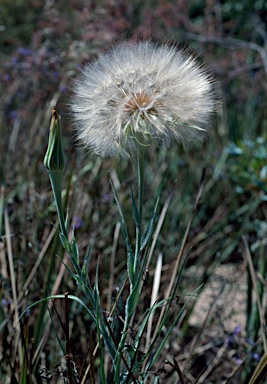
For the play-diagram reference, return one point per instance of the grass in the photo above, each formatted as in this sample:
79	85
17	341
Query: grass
218	337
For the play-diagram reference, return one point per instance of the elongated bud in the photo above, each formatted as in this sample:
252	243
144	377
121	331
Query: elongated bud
54	158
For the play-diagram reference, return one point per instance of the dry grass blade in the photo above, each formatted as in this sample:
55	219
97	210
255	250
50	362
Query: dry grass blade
202	328
37	263
215	362
154	295
179	256
13	285
67	335
158	228
260	371
254	282
235	370
50	304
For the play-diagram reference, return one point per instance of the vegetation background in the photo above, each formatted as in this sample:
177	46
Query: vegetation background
43	45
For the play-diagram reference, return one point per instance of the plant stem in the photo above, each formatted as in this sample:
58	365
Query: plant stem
140	172
138	243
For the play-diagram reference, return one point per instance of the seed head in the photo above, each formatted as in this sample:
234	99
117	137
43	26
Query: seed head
140	93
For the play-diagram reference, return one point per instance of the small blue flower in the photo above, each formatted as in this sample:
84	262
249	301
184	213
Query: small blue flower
24	51
78	223
255	356
105	198
5	302
237	330
28	311
13	115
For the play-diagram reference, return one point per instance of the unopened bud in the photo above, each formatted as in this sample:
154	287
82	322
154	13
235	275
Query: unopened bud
54	158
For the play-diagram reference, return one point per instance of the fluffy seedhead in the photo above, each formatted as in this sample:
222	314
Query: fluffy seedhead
140	93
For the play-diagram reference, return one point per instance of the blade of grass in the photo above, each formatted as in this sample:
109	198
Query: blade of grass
154	295
13	285
152	361
130	254
111	314
112	264
254	282
200	332
180	253
67	335
42	341
213	364
111	279
158	228
1	208
260	371
37	263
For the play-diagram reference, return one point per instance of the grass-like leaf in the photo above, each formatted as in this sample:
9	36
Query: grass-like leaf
130	254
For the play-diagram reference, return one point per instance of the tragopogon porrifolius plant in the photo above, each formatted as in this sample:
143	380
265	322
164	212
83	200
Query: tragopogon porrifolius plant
136	95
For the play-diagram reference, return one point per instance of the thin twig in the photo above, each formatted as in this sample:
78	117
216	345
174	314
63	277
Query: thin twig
230	42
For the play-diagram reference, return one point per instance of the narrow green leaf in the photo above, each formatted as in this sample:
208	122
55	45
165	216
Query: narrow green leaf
74	248
65	242
85	266
132	301
71	297
96	290
135	211
102	358
170	330
149	230
130	254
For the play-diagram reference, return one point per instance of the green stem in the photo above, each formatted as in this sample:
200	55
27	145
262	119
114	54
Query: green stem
140	171
120	351
138	243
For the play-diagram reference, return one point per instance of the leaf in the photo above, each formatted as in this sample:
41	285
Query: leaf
66	220
71	297
74	248
130	255
149	230
85	266
135	211
170	328
133	299
65	242
260	371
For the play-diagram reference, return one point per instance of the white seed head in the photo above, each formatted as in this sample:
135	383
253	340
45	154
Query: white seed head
141	93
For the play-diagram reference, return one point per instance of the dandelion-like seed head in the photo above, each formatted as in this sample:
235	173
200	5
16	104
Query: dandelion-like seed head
140	93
